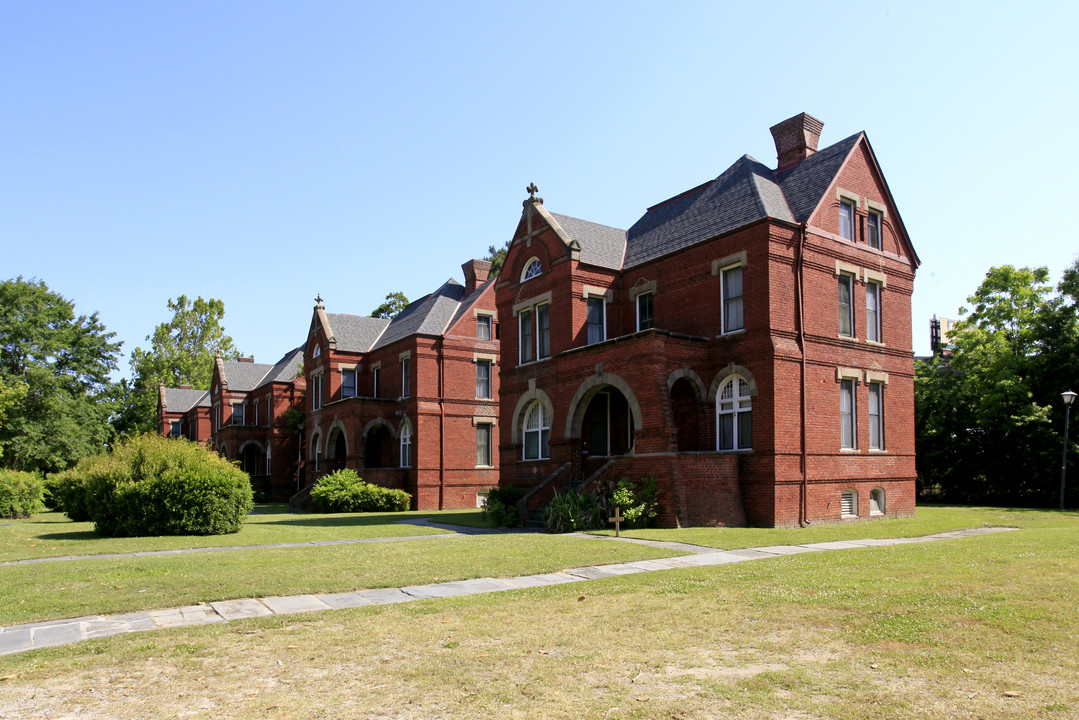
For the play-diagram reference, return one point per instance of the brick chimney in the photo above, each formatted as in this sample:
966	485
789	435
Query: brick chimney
184	387
246	359
796	139
476	272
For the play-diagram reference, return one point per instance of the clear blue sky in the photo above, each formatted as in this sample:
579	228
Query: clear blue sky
263	152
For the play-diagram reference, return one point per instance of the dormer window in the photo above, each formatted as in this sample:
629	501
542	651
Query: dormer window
532	268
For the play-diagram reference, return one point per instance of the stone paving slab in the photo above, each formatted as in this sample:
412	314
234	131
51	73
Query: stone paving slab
239	609
338	601
386	596
20	638
294	604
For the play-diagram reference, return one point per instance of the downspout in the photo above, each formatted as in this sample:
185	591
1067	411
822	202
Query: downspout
799	280
441	424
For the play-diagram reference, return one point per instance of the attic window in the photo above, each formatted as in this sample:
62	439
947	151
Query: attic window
532	268
317	351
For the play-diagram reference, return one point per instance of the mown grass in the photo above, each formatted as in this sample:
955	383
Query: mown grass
53	534
942	629
92	586
930	519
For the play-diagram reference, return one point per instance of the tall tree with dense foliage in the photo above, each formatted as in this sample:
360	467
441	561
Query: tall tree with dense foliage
181	352
395	303
497	257
55	391
988	415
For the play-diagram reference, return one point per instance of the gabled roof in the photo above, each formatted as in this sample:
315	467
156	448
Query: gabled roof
430	315
354	333
601	245
743	194
469	300
177	400
285	369
242	376
805	184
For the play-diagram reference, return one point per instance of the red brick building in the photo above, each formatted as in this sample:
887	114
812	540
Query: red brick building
747	343
410	403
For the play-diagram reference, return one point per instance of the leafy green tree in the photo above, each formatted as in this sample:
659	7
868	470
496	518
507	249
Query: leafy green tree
395	303
988	416
181	352
55	385
497	257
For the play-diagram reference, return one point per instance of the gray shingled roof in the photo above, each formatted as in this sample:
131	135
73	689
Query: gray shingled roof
244	376
285	369
469	300
182	400
430	315
743	194
356	333
601	245
805	184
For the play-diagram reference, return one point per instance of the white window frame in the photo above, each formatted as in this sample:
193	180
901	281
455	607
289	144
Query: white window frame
733	301
526	352
876	416
652	306
317	441
485	450
872	311
406	445
480	393
543	334
850	281
242	415
848	503
874	228
175	429
848	415
595	301
735	401
346	372
532	268
847	211
316	390
376	381
537	424
485	325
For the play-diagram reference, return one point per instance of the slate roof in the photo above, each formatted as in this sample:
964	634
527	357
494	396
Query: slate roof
182	400
430	315
601	245
469	300
746	192
243	376
356	333
743	194
285	369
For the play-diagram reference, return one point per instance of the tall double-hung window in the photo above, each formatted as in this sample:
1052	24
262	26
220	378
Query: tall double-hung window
846	305
848	439
872	311
524	320
876	416
543	331
597	320
731	281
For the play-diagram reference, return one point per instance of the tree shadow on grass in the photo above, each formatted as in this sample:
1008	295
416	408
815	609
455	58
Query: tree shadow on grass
81	535
357	520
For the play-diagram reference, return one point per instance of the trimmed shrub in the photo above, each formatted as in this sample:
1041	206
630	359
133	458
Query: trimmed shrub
571	510
501	507
152	485
637	501
66	491
344	491
20	494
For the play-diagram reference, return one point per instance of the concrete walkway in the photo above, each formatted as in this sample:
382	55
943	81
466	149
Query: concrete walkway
30	636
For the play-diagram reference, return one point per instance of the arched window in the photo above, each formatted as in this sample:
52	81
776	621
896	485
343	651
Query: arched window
876	501
532	268
537	432
734	415
406	444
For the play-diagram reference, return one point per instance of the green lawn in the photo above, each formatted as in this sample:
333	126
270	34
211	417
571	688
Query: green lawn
980	627
52	534
930	519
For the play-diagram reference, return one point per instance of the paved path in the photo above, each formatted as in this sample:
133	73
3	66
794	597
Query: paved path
19	638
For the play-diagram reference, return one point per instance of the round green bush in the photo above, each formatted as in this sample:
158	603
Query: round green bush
345	491
152	485
21	494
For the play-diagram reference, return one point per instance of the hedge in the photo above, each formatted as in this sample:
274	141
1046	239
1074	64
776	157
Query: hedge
345	491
